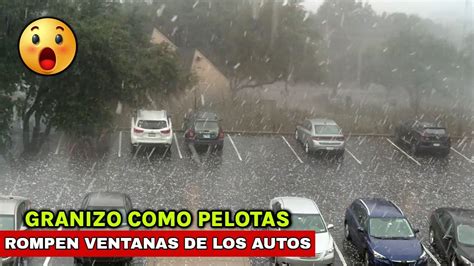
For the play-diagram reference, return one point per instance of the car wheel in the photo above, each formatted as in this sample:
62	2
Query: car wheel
453	261
306	148
133	149
431	237
347	234
366	259
414	148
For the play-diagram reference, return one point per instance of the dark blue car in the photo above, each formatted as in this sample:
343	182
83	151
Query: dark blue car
381	232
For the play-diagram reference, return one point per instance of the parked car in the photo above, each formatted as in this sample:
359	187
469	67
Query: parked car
151	128
12	210
452	235
423	136
203	128
305	215
320	135
382	234
107	201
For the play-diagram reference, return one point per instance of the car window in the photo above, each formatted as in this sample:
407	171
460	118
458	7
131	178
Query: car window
7	222
465	234
307	222
152	124
390	228
327	129
359	212
276	206
206	125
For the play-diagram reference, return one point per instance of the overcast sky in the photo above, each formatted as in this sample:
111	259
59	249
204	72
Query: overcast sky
434	9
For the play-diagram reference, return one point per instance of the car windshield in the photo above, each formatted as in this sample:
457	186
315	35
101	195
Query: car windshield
152	124
327	129
308	222
390	228
435	131
465	234
206	125
7	222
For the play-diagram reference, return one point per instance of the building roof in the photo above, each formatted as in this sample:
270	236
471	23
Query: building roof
381	208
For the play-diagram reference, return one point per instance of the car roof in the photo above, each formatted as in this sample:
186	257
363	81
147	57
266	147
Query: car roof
426	124
152	115
8	204
106	199
459	213
299	205
378	207
322	121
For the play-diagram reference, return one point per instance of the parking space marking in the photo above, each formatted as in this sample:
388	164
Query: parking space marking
353	156
340	255
235	148
462	155
59	144
177	146
402	151
48	259
294	152
120	145
431	256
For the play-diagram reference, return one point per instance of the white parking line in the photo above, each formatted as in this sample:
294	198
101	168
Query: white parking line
48	259
59	144
402	151
431	255
120	145
462	155
294	152
353	156
340	255
177	146
235	148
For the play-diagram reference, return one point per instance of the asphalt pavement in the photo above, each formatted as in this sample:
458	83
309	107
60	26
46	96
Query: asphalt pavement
249	172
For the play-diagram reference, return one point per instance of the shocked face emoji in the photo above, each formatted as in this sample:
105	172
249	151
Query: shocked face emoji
47	46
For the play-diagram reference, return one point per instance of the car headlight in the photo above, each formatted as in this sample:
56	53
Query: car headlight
378	255
465	260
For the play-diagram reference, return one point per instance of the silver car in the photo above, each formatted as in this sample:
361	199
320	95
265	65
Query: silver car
320	135
305	215
12	210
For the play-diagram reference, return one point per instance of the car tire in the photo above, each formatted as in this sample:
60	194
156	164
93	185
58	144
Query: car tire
414	148
366	258
431	237
453	261
306	148
133	149
220	147
347	233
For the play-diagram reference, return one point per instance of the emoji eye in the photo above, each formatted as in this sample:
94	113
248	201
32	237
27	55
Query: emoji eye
35	39
59	39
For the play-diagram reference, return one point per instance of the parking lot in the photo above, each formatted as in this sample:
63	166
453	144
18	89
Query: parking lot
251	170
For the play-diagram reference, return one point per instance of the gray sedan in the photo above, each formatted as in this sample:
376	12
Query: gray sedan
320	135
12	210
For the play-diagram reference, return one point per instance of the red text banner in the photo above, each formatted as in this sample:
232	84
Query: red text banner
156	243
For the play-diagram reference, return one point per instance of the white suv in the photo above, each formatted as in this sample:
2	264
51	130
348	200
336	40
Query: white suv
151	128
305	215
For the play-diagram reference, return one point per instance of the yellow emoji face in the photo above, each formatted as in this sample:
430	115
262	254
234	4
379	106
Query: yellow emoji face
47	46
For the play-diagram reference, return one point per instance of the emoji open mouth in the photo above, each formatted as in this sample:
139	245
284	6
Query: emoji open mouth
47	59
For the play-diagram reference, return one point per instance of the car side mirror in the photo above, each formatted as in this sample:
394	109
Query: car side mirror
23	228
330	226
360	229
416	231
